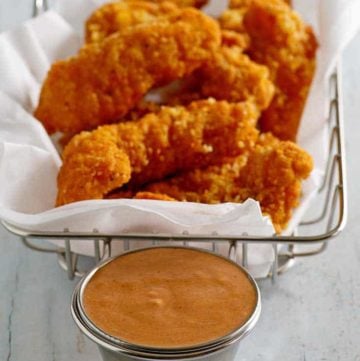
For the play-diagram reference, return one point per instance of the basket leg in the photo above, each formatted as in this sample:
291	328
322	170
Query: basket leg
69	260
39	6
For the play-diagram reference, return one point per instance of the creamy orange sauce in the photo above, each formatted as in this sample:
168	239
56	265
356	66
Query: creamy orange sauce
169	297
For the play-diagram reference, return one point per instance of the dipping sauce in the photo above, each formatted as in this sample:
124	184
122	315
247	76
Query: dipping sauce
169	297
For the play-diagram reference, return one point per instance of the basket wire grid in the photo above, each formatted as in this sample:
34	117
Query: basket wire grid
327	215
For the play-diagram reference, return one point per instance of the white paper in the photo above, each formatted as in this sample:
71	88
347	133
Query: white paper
29	162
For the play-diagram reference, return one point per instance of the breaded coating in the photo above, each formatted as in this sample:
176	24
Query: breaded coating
182	3
187	90
105	80
153	196
233	19
142	108
280	40
120	15
230	38
93	166
288	48
230	75
121	194
270	173
236	4
158	145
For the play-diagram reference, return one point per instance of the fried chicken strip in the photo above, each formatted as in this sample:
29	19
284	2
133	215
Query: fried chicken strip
120	15
229	75
270	173
280	40
105	80
158	145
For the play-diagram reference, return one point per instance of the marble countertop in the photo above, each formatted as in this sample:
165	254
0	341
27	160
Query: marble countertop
312	313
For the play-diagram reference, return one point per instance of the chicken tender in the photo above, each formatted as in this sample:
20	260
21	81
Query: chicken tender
158	145
230	75
270	173
120	15
104	81
93	165
280	40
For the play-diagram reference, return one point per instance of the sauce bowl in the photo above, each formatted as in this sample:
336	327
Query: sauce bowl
111	348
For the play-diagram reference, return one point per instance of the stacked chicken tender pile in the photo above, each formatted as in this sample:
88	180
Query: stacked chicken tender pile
226	132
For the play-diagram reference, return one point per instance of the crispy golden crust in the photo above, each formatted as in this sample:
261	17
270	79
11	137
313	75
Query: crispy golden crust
281	41
97	168
153	196
236	4
234	77
230	75
118	16
141	109
182	3
230	38
233	19
104	81
124	194
271	173
175	139
288	48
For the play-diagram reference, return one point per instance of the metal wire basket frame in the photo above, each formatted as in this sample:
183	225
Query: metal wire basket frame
332	213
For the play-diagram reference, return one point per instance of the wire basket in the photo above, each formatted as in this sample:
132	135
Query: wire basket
326	217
